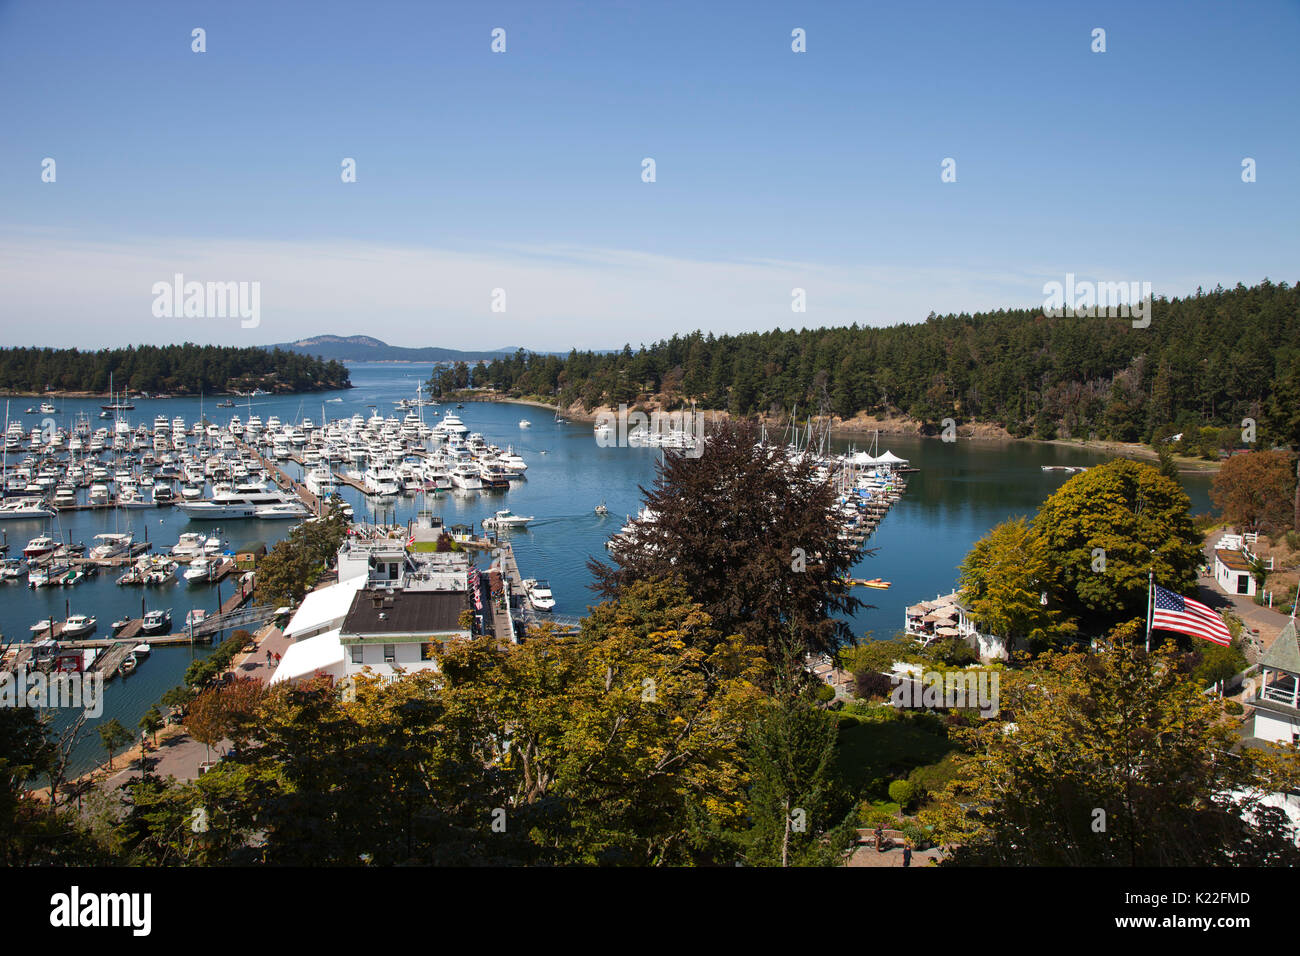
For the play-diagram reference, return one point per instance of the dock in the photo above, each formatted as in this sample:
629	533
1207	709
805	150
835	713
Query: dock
109	662
282	479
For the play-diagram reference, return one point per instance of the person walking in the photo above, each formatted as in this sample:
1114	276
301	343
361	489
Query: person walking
907	854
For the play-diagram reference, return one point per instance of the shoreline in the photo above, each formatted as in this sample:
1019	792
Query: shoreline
182	395
864	426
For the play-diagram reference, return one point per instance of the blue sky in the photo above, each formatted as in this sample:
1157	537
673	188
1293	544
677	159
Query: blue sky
522	170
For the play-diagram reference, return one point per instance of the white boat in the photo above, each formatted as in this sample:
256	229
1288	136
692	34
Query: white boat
602	509
11	569
234	503
41	626
156	622
190	545
78	624
41	544
20	508
142	650
539	594
525	423
195	618
506	518
110	546
380	481
290	509
199	571
466	476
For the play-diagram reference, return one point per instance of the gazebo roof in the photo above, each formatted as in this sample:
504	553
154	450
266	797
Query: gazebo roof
1284	653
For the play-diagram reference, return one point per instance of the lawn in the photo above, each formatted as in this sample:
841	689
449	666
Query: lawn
890	749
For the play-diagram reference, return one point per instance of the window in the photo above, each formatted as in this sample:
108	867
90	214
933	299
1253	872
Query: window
390	653
426	650
356	650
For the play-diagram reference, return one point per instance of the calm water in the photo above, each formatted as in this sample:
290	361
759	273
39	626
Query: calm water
961	491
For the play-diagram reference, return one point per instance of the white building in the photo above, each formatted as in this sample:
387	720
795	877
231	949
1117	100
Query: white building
1277	703
386	615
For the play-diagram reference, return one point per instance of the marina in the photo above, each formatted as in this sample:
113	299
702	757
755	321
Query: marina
922	522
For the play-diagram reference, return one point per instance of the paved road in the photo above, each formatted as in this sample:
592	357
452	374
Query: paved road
179	755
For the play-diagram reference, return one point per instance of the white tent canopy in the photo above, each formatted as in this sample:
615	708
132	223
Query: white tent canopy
322	653
889	458
324	608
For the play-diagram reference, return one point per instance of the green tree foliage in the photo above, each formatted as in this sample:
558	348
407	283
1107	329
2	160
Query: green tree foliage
1003	579
291	567
173	369
748	532
1104	530
114	737
1206	360
1112	758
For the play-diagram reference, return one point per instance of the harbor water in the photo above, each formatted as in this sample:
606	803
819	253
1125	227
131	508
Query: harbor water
960	491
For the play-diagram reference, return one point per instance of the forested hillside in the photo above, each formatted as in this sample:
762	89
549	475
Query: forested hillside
174	369
1206	360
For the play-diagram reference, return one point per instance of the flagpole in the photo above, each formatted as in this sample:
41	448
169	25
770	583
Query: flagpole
1151	580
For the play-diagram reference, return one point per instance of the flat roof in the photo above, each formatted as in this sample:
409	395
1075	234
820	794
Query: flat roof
1232	560
379	612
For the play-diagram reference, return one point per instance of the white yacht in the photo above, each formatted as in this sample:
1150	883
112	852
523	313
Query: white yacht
466	476
232	503
289	509
16	508
380	481
78	624
199	571
110	546
539	594
190	545
506	519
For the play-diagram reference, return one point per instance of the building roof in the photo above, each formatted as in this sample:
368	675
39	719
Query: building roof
380	612
327	605
321	653
1284	653
1232	560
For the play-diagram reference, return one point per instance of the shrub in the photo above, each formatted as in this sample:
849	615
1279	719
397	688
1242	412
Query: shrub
871	685
917	834
824	693
902	793
1234	708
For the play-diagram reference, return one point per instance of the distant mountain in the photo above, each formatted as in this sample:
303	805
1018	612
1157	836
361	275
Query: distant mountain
367	348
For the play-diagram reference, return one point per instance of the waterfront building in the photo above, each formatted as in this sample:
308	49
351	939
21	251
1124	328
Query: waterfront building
1277	702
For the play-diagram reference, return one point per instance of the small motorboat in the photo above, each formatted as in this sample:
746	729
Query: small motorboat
156	622
120	623
539	594
199	571
42	626
141	650
506	518
601	509
78	624
525	423
129	664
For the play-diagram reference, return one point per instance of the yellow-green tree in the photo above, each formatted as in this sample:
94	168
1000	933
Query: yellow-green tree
1112	758
1003	581
1105	530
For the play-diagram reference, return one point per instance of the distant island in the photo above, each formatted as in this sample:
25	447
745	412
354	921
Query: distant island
367	348
167	369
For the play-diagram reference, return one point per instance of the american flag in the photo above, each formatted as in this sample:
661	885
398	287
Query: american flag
474	589
1172	612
